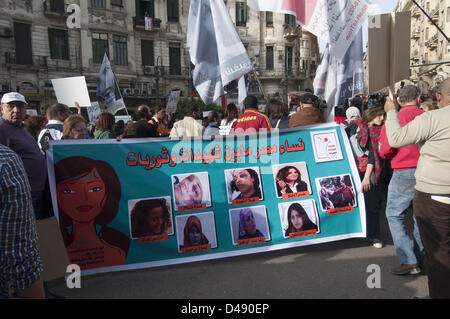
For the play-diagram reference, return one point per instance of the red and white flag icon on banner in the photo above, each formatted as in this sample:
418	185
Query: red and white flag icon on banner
336	22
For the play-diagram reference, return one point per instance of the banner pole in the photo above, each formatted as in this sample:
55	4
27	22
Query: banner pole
261	87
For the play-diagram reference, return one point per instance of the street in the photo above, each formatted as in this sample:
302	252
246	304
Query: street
325	271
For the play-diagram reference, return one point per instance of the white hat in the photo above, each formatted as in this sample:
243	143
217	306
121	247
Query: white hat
351	112
12	97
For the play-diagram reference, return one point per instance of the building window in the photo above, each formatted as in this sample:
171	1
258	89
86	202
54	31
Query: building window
99	46
174	60
172	11
116	3
290	19
145	7
269	19
59	44
98	4
269	58
56	6
147	52
120	50
288	60
22	39
448	14
241	14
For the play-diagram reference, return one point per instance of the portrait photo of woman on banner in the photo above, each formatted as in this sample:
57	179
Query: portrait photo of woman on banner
196	231
151	217
249	222
243	183
299	217
192	188
88	193
291	178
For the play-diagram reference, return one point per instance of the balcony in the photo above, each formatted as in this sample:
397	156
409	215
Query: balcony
291	32
35	61
139	24
432	43
415	34
434	14
416	13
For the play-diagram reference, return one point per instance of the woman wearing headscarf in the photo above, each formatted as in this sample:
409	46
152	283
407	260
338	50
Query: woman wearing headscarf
247	225
193	235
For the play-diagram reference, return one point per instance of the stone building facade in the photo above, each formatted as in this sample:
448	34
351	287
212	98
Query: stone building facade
430	51
36	45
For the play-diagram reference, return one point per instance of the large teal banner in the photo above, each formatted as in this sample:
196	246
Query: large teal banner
142	203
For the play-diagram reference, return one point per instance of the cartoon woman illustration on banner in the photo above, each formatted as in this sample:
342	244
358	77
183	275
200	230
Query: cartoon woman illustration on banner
88	194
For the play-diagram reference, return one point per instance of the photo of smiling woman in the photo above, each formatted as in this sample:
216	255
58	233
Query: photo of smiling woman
150	217
243	183
88	194
291	178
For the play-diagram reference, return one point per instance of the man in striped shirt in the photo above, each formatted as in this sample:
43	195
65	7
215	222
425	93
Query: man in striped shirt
20	262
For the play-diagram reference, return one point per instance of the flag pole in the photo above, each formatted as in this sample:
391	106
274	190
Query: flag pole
261	87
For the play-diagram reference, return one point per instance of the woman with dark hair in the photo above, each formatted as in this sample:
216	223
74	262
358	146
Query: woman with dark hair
246	182
231	115
289	180
278	114
88	193
193	235
104	126
150	217
298	220
370	164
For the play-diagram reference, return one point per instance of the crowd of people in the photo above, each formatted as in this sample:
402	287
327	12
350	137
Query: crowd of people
385	143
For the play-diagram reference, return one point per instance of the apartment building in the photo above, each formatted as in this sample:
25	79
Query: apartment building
146	43
430	51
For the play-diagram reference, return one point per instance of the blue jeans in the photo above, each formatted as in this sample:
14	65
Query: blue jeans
400	195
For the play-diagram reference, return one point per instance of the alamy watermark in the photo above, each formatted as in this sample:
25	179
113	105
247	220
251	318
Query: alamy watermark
73	280
374	279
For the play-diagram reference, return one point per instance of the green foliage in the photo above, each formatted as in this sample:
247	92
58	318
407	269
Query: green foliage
185	103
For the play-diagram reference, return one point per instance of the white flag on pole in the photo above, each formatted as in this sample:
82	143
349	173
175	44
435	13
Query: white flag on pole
337	79
215	49
335	22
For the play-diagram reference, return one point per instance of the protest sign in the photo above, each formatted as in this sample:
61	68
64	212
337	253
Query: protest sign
71	90
172	103
389	50
93	111
152	202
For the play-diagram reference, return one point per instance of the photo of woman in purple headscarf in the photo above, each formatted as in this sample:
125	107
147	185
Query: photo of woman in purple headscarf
249	222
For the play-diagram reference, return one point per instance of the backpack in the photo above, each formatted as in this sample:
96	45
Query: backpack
47	136
361	156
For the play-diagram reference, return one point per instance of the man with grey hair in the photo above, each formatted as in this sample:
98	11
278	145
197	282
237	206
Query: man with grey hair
401	187
432	197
